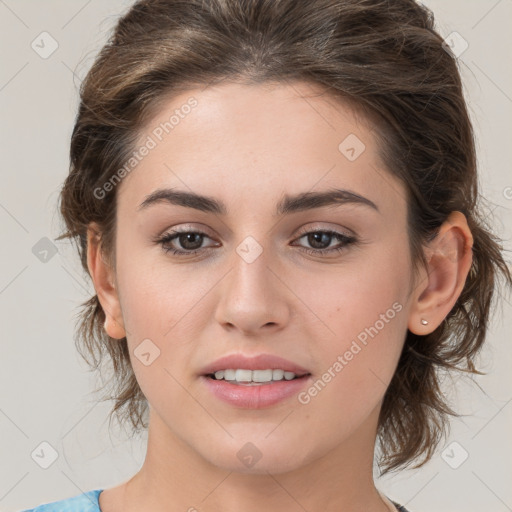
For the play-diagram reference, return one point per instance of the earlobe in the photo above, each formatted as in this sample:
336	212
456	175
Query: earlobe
449	261
102	277
113	329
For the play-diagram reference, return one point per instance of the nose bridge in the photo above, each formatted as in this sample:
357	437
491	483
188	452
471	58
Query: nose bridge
251	296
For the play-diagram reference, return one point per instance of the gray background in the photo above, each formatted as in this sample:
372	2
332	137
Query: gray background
45	388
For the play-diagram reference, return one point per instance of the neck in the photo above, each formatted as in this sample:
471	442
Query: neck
174	477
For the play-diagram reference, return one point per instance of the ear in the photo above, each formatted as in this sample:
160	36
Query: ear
449	261
103	278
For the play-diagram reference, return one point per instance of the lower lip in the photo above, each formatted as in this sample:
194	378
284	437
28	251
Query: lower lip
255	397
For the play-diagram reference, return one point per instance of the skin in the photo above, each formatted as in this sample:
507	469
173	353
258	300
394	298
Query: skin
248	146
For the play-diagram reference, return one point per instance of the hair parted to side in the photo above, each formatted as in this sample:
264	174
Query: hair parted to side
386	60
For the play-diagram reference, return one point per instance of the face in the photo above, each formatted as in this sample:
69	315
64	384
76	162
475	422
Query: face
324	285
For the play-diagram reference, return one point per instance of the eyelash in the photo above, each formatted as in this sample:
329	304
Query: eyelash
170	236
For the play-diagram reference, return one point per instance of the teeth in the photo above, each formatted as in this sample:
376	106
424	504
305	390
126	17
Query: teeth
259	376
277	374
229	374
262	375
243	375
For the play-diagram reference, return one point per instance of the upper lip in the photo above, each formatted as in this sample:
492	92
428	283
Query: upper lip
259	362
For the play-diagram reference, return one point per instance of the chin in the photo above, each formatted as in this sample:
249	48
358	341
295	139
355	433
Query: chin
274	465
257	457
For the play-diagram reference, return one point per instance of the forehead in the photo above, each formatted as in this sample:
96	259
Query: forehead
244	142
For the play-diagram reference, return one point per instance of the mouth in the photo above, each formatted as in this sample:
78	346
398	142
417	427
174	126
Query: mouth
255	382
247	377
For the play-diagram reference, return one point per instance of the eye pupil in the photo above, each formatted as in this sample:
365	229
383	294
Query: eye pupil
189	237
316	238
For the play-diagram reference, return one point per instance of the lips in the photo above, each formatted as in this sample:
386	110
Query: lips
259	362
248	391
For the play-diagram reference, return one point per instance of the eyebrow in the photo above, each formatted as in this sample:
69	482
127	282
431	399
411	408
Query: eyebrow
287	205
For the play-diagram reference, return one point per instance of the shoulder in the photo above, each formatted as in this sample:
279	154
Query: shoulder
399	507
85	502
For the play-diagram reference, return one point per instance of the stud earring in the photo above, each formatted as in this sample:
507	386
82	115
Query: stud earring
424	322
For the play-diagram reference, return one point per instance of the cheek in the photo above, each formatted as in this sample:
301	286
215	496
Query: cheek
364	322
163	308
158	298
355	312
360	294
357	365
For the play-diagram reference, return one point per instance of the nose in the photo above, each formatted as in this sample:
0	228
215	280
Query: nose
252	298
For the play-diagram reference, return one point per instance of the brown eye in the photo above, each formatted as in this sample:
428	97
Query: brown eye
321	239
188	242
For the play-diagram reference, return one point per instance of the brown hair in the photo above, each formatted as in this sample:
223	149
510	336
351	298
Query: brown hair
383	57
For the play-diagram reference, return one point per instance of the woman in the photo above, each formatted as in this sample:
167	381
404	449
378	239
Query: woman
276	201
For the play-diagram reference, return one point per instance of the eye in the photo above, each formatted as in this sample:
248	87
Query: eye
192	241
321	239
